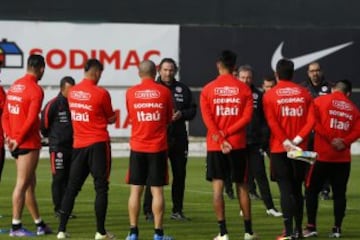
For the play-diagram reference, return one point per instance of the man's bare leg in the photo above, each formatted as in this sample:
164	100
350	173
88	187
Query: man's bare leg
218	199
158	206
25	169
244	200
134	204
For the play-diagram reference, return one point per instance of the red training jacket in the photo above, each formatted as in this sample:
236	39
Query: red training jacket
20	119
91	108
150	109
336	117
226	107
289	113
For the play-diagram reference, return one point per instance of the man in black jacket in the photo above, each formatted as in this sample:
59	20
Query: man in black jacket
56	126
255	139
185	110
317	86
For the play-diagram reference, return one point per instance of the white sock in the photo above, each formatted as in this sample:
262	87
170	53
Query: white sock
16	221
37	221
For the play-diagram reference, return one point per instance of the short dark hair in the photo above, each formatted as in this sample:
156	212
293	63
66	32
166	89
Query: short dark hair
228	59
93	63
343	85
67	79
269	78
36	61
285	69
168	60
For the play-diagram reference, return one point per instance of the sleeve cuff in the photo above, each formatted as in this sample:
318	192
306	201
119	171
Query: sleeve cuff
297	140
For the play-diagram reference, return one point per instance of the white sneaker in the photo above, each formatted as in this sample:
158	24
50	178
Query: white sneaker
107	235
248	236
219	237
62	235
273	212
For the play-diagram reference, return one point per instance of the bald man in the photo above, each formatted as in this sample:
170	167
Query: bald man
150	110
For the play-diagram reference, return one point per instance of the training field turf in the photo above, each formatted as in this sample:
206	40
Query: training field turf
197	206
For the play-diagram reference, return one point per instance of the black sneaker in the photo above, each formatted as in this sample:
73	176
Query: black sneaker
230	193
254	196
298	234
149	217
309	231
179	216
336	232
325	195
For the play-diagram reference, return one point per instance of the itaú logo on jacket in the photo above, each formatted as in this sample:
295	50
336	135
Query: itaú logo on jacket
80	95
342	105
147	94
226	91
282	92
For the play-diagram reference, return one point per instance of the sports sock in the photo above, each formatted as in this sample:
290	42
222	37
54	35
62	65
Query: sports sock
39	222
248	226
222	226
16	224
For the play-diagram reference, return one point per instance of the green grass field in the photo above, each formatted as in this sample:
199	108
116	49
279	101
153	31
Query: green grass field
197	206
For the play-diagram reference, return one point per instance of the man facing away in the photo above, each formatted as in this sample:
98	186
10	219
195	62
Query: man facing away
226	108
91	112
56	126
150	110
185	110
21	124
337	126
289	113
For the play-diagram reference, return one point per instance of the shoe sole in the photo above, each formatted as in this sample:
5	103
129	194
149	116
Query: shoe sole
312	234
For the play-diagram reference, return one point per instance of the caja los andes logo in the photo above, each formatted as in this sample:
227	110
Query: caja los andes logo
11	55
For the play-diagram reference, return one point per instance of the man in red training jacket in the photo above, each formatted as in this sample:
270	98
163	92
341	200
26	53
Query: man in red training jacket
21	124
290	115
150	109
226	107
337	126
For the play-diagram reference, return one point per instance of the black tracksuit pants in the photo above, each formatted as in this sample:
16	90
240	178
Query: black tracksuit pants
289	175
96	160
60	162
338	175
258	172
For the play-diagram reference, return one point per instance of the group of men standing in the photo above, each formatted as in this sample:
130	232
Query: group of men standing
76	124
291	114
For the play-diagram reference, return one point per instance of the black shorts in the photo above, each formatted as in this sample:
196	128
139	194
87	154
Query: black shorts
220	166
20	151
148	169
